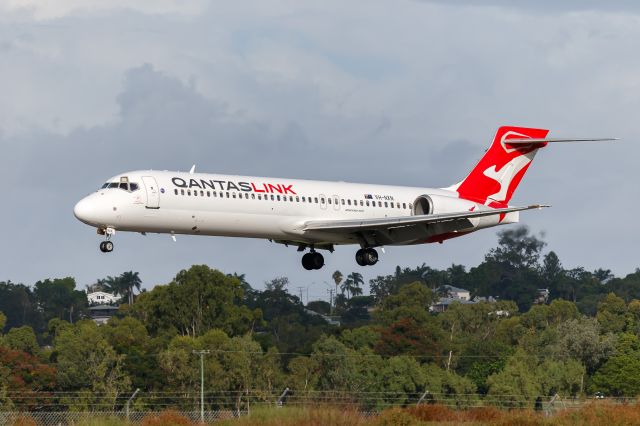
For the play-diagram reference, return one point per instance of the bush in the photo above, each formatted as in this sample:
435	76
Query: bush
166	418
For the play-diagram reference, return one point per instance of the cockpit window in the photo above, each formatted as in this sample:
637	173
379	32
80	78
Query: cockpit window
129	187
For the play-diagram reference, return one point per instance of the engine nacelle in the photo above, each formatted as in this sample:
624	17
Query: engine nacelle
439	204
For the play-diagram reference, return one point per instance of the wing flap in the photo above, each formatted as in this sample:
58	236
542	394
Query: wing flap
402	221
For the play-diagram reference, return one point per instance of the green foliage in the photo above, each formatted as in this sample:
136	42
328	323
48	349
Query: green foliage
620	374
3	322
22	339
87	362
612	312
411	302
197	300
58	298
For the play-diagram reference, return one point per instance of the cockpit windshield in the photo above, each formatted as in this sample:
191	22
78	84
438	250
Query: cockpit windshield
124	184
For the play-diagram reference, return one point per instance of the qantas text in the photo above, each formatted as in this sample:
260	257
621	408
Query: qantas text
225	185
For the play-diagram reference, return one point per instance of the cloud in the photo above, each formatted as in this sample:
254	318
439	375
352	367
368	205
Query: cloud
328	91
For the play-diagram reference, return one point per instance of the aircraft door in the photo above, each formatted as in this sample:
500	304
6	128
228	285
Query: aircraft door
153	193
336	202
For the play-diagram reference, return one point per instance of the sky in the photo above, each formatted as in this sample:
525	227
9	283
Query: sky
403	92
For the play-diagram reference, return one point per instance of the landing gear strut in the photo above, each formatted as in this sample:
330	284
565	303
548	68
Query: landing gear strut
107	246
366	257
312	260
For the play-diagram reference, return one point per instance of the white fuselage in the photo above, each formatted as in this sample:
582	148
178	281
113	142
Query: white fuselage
268	208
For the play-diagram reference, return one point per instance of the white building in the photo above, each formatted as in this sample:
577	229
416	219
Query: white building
455	293
102	298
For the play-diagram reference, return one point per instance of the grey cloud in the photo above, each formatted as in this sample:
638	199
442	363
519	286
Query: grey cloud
548	6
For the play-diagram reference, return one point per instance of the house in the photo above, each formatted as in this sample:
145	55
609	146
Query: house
542	297
454	293
443	304
101	314
101	298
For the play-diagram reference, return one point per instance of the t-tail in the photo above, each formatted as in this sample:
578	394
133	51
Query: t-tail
499	172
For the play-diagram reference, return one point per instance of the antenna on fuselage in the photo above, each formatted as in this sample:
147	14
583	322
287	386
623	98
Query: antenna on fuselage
193	169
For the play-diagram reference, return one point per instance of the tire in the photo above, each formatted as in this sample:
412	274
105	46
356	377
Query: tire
317	260
108	246
371	257
306	262
360	258
102	248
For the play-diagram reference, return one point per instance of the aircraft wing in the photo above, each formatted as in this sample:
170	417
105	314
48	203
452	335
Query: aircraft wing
402	221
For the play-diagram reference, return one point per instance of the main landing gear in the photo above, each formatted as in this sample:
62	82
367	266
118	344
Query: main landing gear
312	260
366	257
106	246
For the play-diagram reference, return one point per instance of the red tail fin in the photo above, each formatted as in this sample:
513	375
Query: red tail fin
497	175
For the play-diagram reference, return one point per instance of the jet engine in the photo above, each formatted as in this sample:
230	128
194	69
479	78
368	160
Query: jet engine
438	204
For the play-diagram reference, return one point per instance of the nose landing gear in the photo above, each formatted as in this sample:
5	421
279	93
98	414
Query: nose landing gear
366	257
312	260
107	246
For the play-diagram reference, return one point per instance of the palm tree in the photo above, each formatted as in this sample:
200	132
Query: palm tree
129	280
352	285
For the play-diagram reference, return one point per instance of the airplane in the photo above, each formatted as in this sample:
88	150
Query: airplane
318	215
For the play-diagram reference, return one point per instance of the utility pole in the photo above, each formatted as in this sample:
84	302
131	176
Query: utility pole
202	354
300	288
330	291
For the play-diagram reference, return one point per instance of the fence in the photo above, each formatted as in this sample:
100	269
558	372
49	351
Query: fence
68	409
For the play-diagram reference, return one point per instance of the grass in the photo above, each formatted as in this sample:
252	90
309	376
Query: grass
594	414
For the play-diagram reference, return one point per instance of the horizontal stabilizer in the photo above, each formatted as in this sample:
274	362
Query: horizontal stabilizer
554	140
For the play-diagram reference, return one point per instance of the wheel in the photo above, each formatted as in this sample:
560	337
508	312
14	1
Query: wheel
360	260
371	256
102	248
108	246
306	261
317	260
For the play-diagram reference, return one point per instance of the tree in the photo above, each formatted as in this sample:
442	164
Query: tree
27	378
3	321
353	284
612	313
58	298
197	300
412	301
620	374
22	339
517	384
88	363
581	339
18	304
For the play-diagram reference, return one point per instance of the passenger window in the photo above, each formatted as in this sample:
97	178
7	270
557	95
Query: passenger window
188	192
202	193
234	195
379	203
253	196
386	204
297	199
291	198
195	193
215	194
316	198
367	203
260	197
322	200
182	192
361	203
329	200
272	197
278	197
349	202
175	191
303	200
228	195
342	201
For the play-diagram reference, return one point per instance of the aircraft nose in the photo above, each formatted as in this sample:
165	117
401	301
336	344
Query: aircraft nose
83	209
